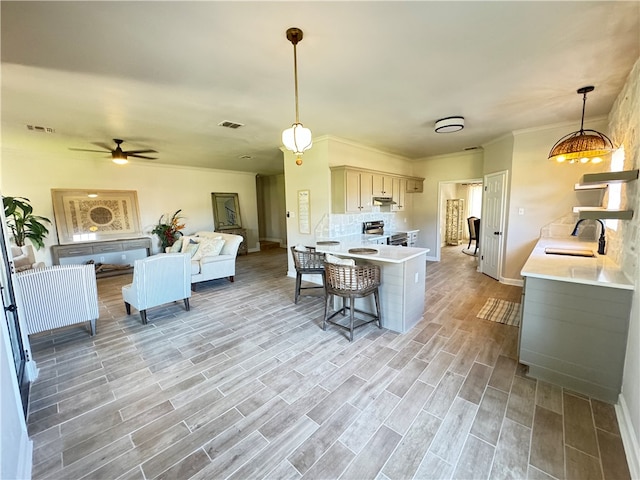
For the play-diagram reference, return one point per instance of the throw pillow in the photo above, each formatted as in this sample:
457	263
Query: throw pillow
300	248
209	247
190	247
339	261
177	246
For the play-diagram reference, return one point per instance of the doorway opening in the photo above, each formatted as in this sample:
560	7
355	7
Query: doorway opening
457	201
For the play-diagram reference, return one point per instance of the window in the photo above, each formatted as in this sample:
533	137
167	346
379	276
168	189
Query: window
615	189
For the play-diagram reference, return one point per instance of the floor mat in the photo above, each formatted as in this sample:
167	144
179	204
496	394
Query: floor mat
501	311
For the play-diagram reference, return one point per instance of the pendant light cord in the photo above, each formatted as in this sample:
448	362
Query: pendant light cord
584	104
295	77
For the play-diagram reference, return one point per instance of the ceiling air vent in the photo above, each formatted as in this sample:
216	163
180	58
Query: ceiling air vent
37	128
228	124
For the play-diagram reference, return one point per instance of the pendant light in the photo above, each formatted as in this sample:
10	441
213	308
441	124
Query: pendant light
297	138
583	146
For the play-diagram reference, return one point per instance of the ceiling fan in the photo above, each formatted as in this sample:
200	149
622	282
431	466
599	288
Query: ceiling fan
118	155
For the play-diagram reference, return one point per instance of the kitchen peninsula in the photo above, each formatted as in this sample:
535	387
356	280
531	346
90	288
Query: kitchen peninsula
402	272
575	317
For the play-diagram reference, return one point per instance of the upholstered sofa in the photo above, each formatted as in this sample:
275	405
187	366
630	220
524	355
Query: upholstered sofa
212	266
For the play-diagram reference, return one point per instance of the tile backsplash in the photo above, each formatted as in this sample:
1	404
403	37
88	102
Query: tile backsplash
338	225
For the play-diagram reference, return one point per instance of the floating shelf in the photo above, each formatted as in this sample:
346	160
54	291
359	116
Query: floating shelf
610	177
591	186
594	213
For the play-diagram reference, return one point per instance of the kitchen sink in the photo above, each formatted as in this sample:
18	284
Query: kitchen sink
572	252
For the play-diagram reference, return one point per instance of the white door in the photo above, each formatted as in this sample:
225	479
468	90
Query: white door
492	224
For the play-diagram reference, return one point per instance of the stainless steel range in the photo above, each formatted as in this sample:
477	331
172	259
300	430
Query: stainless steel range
373	228
377	228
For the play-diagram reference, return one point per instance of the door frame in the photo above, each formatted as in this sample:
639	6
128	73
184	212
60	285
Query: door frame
503	217
439	218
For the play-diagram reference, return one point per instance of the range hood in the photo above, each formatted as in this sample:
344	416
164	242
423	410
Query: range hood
383	201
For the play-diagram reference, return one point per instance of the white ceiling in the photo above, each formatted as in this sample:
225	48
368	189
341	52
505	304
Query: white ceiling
162	75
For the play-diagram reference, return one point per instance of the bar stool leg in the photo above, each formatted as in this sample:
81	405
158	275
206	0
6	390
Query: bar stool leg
351	317
298	283
376	295
328	297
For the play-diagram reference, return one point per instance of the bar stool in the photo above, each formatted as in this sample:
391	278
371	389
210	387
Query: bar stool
307	262
351	282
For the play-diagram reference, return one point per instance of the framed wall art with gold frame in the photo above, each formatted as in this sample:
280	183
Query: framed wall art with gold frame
95	215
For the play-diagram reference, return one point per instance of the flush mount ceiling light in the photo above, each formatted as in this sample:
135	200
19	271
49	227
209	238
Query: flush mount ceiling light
449	124
297	138
583	146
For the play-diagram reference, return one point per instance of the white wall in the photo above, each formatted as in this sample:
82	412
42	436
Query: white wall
160	189
442	168
544	189
624	122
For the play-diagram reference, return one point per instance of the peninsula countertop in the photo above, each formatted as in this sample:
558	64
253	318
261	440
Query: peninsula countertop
599	270
384	253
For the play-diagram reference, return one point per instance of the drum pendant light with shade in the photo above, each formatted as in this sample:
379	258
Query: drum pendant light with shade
297	138
583	146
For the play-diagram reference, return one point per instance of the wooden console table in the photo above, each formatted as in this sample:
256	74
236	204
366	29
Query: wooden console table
243	249
115	252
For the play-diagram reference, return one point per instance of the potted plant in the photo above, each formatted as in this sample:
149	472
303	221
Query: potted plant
23	223
168	231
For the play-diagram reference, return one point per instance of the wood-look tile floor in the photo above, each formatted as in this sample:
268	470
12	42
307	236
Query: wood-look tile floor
247	385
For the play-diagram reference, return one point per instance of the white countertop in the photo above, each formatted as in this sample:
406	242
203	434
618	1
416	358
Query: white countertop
599	270
385	253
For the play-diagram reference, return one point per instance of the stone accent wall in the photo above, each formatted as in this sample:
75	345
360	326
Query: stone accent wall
624	126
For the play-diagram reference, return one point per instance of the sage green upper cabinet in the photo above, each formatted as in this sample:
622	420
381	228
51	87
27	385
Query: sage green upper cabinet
398	194
351	190
382	185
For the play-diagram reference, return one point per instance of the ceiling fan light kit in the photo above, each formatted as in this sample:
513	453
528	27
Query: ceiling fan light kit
297	138
582	146
449	124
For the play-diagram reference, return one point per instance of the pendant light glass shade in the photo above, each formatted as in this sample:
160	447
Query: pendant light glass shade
583	146
297	138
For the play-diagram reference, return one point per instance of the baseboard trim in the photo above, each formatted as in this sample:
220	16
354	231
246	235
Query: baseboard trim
629	439
25	457
512	281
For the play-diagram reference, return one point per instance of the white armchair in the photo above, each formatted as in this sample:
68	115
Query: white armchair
158	279
24	258
58	296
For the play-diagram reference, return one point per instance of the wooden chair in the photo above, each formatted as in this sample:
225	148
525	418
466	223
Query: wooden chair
307	262
474	232
351	282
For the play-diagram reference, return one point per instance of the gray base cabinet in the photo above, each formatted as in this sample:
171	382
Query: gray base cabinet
116	252
575	335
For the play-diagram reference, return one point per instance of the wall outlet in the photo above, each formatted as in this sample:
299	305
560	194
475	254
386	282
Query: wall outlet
521	211
123	256
101	259
417	277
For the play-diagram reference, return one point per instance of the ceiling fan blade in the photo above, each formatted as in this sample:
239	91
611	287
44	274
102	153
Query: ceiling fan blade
86	150
142	156
135	152
104	145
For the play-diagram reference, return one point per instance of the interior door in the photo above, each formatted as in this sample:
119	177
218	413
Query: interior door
492	224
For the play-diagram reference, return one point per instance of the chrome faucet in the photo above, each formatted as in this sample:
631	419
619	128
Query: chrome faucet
601	240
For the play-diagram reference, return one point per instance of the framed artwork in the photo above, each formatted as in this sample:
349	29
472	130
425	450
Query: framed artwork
95	215
304	213
226	211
